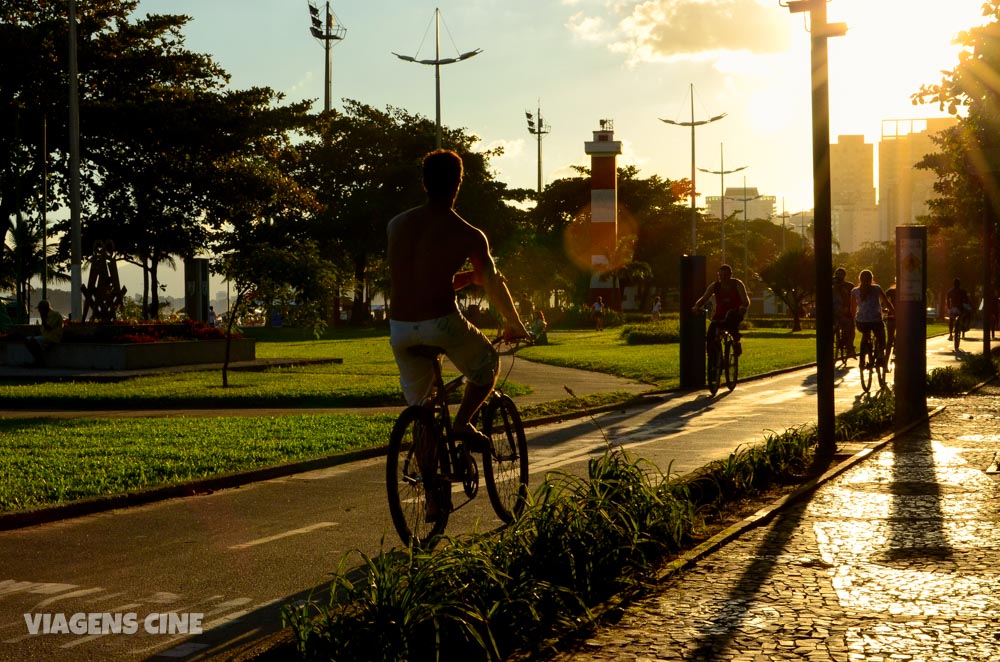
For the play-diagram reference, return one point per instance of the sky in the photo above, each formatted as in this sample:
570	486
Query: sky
580	61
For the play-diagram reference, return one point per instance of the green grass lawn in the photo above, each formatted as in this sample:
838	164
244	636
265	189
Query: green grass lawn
49	461
46	461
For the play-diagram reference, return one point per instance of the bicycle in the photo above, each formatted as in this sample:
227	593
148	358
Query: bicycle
841	348
963	322
722	360
426	456
870	363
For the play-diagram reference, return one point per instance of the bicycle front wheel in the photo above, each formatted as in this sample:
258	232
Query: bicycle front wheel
408	478
505	465
731	364
714	368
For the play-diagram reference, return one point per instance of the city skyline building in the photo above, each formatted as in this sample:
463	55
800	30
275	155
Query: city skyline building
854	206
758	205
903	190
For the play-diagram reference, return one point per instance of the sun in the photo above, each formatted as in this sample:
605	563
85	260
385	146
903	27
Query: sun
892	47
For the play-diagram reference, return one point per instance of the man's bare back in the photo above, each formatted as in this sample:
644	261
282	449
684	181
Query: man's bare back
428	245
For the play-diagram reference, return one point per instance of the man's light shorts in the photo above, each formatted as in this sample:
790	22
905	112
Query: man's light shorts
462	342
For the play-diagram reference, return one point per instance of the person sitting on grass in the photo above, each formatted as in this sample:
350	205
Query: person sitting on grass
539	335
52	330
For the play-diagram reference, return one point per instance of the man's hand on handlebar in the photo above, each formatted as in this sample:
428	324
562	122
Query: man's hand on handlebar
516	333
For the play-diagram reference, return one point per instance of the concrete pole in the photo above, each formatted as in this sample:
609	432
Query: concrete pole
437	77
76	252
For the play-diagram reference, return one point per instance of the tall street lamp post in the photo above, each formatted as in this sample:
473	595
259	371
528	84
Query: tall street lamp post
327	31
745	199
693	124
722	172
76	242
538	129
784	217
820	31
437	62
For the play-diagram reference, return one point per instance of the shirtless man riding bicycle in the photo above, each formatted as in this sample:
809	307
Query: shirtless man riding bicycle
428	246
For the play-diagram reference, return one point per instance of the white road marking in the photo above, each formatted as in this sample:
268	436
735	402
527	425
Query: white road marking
72	594
286	534
184	650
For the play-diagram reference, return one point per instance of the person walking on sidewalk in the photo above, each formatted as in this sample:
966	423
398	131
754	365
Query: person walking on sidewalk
52	331
842	309
959	305
731	305
599	314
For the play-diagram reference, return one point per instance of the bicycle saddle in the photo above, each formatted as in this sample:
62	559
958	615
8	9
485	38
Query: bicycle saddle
426	351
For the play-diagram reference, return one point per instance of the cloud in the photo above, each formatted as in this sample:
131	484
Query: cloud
588	28
512	149
668	30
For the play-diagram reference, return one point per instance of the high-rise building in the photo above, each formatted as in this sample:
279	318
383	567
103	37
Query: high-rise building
854	213
757	205
903	189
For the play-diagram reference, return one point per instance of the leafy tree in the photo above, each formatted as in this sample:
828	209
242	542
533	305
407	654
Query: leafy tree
363	167
969	160
792	278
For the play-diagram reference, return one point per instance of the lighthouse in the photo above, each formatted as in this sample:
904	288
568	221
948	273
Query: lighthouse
603	151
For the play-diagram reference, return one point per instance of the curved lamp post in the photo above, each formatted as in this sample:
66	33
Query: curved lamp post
437	62
693	124
722	194
745	199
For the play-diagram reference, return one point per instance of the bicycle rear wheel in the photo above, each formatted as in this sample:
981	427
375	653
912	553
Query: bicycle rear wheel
505	465
839	349
865	365
406	483
880	368
731	364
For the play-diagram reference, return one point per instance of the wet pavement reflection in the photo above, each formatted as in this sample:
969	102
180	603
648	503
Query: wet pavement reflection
896	559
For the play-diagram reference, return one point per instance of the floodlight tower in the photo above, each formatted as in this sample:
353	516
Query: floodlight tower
538	130
437	62
328	31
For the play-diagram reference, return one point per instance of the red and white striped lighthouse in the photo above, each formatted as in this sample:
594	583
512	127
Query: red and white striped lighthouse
603	151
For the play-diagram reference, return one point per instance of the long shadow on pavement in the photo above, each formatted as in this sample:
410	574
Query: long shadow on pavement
721	629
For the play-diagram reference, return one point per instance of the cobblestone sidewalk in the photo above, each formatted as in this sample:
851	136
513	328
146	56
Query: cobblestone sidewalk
896	559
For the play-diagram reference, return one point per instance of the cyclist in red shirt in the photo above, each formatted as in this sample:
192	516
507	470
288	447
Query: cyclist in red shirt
731	304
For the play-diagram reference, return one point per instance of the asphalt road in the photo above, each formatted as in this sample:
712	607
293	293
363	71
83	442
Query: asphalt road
235	556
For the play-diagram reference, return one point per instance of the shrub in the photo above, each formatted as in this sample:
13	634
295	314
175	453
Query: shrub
580	540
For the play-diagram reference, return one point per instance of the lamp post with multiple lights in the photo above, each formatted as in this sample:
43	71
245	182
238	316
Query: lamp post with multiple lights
328	31
437	62
745	199
722	172
538	129
693	124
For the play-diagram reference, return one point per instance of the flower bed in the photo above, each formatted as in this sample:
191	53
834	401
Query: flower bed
129	346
